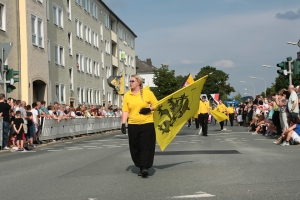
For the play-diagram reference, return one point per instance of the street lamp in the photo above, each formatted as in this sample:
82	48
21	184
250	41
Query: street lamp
268	66
253	77
253	87
250	91
294	43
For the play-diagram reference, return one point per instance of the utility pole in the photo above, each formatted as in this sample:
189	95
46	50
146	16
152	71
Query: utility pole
289	59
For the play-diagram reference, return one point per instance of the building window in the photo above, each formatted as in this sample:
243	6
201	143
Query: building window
88	65
97	97
86	5
71	78
88	34
107	47
78	2
79	62
57	16
106	20
47	10
101	32
70	43
49	50
89	96
102	59
69	9
96	39
108	72
96	68
37	29
59	57
78	29
81	96
103	86
94	10
60	95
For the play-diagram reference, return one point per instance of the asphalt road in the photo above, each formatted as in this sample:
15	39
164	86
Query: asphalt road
232	164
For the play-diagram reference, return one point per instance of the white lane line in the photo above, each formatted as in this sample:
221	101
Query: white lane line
28	151
55	150
110	140
96	148
192	142
174	143
124	144
109	145
114	146
261	139
46	148
69	142
197	195
89	146
74	149
197	140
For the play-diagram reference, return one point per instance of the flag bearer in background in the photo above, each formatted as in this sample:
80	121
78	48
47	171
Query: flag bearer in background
137	109
203	112
223	109
230	112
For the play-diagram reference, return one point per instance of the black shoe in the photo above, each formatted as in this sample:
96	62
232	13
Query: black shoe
144	173
140	173
35	142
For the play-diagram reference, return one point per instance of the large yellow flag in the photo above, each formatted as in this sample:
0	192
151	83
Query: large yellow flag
173	111
219	116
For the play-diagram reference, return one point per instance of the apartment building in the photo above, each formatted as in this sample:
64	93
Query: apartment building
66	50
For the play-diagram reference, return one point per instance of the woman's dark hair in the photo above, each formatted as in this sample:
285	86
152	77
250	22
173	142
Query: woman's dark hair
287	94
294	119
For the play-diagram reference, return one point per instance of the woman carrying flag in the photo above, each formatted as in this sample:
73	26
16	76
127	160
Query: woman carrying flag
223	109
137	109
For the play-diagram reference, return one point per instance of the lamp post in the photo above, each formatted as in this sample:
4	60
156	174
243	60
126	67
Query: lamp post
250	91
252	85
254	77
268	66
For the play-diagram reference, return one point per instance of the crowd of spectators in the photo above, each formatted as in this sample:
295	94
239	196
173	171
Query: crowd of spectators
273	116
22	123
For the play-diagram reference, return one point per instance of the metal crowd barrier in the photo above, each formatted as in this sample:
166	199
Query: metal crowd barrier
53	129
1	131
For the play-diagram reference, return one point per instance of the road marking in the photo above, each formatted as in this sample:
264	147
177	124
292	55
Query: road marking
46	148
89	146
28	151
113	146
109	145
74	149
261	139
55	150
197	195
197	140
192	142
96	148
69	142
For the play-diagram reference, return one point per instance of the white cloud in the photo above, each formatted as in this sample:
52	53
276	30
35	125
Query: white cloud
223	64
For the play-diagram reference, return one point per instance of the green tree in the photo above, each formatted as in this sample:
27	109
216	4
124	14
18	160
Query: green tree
282	82
165	81
215	83
238	97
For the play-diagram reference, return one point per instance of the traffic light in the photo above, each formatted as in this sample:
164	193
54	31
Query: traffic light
296	67
10	79
283	68
10	76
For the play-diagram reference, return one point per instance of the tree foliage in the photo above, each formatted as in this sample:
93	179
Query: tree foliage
238	97
215	83
166	82
282	82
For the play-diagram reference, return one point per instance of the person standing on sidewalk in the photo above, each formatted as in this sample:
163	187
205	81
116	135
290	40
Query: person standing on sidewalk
230	111
5	107
293	102
137	109
203	112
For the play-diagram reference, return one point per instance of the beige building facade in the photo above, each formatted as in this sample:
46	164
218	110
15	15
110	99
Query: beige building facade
66	50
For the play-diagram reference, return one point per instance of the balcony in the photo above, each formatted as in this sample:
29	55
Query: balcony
115	61
114	37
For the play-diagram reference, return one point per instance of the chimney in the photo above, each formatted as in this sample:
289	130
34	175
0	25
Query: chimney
148	61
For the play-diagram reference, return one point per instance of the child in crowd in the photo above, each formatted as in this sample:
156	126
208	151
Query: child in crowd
18	128
260	125
271	129
30	126
12	141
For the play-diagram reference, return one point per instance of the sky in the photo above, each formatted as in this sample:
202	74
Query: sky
235	36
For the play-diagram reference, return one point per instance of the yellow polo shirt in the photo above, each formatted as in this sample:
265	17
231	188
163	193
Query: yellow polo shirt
203	107
133	104
221	108
230	110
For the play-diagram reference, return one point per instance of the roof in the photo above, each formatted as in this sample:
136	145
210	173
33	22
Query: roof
144	66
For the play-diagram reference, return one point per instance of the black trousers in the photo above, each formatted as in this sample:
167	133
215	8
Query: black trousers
197	122
222	124
203	120
142	144
231	116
